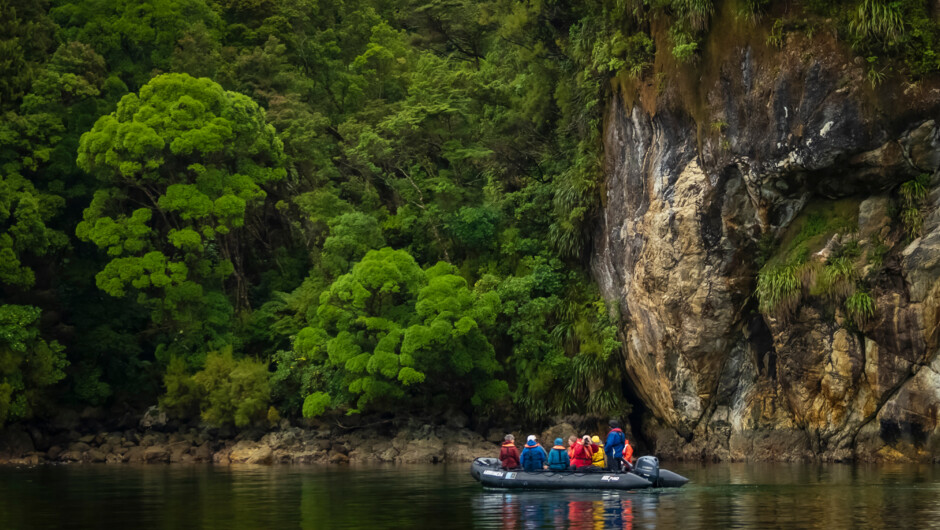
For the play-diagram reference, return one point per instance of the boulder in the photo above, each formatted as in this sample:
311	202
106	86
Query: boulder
79	447
202	453
95	455
14	443
338	458
53	452
154	418
157	454
246	452
135	454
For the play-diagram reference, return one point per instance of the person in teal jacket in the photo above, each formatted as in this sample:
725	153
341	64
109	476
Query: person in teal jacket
558	459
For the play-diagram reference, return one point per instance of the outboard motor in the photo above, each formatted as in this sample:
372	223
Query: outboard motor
648	468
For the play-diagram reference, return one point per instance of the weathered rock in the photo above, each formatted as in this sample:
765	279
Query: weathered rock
246	452
53	452
338	458
202	453
689	207
80	447
135	454
153	418
95	455
15	442
156	454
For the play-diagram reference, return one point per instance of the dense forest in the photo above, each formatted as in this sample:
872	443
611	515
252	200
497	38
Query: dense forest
252	209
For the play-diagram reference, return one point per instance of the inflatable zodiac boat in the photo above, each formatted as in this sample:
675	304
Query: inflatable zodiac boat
646	474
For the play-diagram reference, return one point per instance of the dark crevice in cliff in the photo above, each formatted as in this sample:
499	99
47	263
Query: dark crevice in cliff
634	420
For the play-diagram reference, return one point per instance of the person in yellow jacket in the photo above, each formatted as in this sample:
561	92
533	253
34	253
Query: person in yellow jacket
599	460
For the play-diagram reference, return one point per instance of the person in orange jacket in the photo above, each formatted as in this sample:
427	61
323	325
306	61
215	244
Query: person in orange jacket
627	455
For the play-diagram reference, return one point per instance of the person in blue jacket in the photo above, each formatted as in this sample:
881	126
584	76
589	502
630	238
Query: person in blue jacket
558	459
533	457
614	446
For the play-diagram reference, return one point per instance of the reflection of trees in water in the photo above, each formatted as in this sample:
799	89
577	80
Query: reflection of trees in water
574	510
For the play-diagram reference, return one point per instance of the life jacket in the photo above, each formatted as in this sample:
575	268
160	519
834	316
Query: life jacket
532	457
582	455
558	459
509	455
628	452
598	458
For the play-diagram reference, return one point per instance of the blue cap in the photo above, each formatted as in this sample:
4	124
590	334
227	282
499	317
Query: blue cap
558	441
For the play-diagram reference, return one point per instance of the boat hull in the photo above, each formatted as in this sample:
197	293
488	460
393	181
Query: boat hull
488	472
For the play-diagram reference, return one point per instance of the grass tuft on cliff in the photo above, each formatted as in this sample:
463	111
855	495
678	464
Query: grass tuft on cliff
789	270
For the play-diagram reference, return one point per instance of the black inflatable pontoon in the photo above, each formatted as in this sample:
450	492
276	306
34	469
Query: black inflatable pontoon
491	475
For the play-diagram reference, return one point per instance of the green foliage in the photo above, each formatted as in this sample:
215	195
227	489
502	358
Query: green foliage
913	194
899	30
878	19
25	215
775	38
28	363
779	288
182	397
316	404
233	391
182	164
135	37
227	391
860	307
838	278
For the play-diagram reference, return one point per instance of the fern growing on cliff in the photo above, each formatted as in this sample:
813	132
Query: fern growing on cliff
838	278
779	289
860	307
913	194
877	19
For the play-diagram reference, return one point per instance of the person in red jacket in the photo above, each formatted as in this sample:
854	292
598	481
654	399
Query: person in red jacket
572	443
509	453
582	455
627	455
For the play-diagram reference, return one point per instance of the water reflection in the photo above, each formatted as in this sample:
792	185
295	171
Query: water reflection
234	498
564	509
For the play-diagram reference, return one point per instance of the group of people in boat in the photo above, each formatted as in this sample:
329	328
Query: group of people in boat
586	453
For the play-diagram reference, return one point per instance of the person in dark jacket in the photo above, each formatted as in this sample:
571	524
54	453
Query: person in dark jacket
509	453
558	459
614	446
533	457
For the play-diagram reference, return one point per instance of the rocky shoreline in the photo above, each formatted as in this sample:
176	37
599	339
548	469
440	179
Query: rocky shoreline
93	436
153	440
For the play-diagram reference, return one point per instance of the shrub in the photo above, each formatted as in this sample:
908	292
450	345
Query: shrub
182	394
838	278
234	391
913	194
316	404
878	20
227	391
779	288
860	307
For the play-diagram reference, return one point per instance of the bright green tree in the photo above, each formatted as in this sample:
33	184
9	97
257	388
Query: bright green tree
182	167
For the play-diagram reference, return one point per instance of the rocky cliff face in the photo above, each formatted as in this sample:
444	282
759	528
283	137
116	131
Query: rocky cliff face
717	172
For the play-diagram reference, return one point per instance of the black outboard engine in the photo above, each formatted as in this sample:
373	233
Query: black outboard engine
648	468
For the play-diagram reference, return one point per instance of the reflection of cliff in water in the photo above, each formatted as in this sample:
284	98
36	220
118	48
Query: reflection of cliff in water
576	509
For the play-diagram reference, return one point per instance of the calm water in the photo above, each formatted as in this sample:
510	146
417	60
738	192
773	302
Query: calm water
720	496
